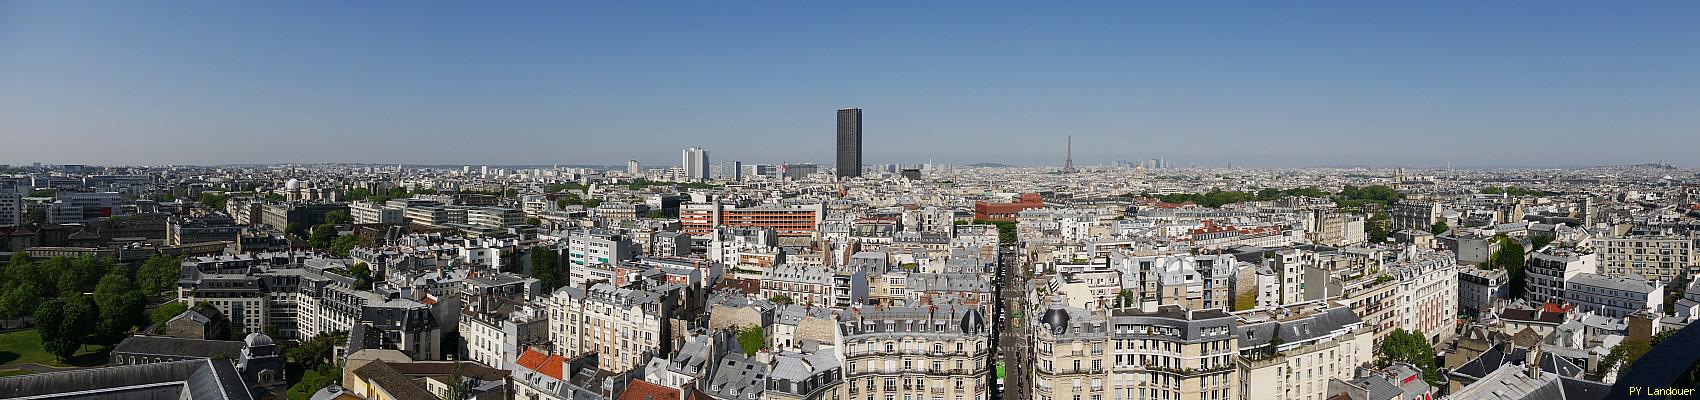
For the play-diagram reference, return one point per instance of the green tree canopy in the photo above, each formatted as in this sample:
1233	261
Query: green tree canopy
312	380
342	245
1376	227
338	217
362	275
546	268
120	303
1356	197
20	299
1440	227
322	236
1541	241
167	311
752	339
1510	258
1410	348
159	274
316	351
1623	354
64	324
214	200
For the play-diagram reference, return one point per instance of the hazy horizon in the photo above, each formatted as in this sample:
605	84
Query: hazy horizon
1311	84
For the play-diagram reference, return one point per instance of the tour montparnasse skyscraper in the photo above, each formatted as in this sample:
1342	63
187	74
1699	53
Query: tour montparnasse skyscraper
849	161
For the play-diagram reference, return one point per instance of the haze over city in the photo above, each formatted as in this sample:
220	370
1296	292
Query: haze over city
950	200
1251	83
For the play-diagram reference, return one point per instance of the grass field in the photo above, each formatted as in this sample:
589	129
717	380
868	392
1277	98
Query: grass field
24	347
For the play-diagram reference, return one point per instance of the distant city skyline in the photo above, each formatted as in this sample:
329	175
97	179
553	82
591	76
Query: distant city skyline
1252	84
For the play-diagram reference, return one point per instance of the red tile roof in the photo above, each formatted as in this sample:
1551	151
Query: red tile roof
550	365
640	390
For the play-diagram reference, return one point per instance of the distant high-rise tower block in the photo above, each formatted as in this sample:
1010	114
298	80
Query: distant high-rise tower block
633	168
731	171
696	164
849	161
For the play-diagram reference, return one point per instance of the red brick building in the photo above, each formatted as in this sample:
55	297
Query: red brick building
1005	212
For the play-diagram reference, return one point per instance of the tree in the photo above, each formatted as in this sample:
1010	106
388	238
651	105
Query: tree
315	351
1440	227
120	303
312	380
342	245
546	268
214	200
362	275
322	236
1354	197
1410	348
1510	258
1622	355
1275	342
49	319
752	339
457	389
19	260
64	324
1126	298
159	274
1540	241
77	274
338	217
1376	227
20	299
781	299
70	281
167	311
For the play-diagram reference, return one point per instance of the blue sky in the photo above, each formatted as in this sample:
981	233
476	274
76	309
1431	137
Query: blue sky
1311	83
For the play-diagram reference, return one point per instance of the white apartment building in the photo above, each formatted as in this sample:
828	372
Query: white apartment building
1663	258
1154	352
1426	292
1197	282
497	339
371	212
938	352
803	285
493	217
623	327
1317	345
1479	288
81	207
695	162
1548	270
597	247
1614	296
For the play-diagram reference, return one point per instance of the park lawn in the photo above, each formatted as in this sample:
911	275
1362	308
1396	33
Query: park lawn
24	347
13	372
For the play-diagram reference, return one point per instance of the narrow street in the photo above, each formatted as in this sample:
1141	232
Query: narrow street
1011	327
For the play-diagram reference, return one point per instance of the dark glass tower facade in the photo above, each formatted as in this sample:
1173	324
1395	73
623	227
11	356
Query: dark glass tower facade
849	161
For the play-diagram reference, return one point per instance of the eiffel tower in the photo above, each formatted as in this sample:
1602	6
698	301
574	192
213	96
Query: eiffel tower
1068	163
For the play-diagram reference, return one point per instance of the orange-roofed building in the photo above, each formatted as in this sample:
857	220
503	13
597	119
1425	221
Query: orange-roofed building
539	376
1005	212
640	390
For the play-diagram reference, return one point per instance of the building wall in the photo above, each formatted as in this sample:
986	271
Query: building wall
1303	373
947	364
1661	258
